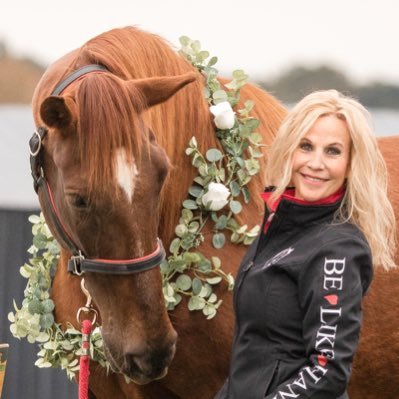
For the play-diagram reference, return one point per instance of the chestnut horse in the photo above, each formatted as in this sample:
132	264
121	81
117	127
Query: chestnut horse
113	157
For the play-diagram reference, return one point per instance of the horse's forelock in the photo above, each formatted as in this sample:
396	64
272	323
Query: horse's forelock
109	119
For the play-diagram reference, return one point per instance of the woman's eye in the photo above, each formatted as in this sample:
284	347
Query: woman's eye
305	146
333	151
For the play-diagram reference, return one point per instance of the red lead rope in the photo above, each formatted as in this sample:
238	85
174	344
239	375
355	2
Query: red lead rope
85	360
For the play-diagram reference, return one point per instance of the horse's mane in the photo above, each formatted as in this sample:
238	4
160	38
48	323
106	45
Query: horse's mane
130	53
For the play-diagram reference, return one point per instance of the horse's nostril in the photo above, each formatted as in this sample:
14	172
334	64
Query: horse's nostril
152	364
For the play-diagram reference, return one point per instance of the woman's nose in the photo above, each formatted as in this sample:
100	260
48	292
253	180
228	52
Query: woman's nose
316	161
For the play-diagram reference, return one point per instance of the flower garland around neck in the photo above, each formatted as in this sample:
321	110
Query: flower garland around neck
216	193
214	197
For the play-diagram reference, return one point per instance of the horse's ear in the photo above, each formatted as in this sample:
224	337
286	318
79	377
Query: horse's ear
58	112
158	89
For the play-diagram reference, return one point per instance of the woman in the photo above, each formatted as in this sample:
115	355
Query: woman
299	289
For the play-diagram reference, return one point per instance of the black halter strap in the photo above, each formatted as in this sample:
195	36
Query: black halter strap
78	263
76	75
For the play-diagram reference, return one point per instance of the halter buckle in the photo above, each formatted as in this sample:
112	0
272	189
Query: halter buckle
75	262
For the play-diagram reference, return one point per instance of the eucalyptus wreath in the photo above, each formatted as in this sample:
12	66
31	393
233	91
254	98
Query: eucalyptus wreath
217	192
215	196
34	320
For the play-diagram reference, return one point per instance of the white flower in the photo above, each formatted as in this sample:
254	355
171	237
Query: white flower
216	197
224	115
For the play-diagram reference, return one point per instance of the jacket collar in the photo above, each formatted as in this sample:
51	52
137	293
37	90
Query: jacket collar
296	211
289	195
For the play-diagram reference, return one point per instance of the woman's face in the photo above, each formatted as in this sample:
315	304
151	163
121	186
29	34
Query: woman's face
321	161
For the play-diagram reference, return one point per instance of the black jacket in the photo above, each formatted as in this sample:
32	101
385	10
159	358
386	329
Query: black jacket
297	302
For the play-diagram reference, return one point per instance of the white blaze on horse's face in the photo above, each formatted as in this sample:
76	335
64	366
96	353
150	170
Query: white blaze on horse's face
126	173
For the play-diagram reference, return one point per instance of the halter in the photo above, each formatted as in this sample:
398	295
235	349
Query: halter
78	263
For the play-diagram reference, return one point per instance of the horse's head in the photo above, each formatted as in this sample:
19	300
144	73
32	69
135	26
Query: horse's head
104	172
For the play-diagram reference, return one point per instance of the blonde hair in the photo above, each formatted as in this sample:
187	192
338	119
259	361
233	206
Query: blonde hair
366	202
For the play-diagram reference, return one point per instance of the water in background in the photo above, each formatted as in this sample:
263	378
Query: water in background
16	128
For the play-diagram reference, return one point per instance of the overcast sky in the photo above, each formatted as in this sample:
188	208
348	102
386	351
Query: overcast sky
263	37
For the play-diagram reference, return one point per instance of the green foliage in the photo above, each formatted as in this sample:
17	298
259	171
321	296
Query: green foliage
234	169
34	320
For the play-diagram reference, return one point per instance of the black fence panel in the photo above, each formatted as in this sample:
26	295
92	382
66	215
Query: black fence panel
23	380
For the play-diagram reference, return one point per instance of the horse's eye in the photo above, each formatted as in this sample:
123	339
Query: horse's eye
80	202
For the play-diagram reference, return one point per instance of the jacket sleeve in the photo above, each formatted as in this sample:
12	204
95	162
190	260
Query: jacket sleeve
330	289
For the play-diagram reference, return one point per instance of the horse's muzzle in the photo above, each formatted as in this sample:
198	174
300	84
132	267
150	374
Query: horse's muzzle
149	366
144	363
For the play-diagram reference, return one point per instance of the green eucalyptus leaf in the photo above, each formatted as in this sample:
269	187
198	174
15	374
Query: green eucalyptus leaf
212	61
240	162
196	191
234	238
34	219
218	240
193	227
252	123
187	215
217	263
214	280
199	180
203	170
204	266
196	303
197	160
256	138
219	96
181	230
234	189
46	320
202	55
235	207
222	174
193	142
24	272
212	298
187	242
248	240
191	257
221	223
206	290
184	40
239	74
197	285
183	282
190	204
246	194
48	306
40	241
209	311
196	46
242	229
35	307
174	246
249	104
214	155
230	281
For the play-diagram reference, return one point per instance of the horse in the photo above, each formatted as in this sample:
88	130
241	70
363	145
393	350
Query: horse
116	175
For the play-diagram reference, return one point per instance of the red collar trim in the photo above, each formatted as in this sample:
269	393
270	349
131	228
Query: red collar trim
289	195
